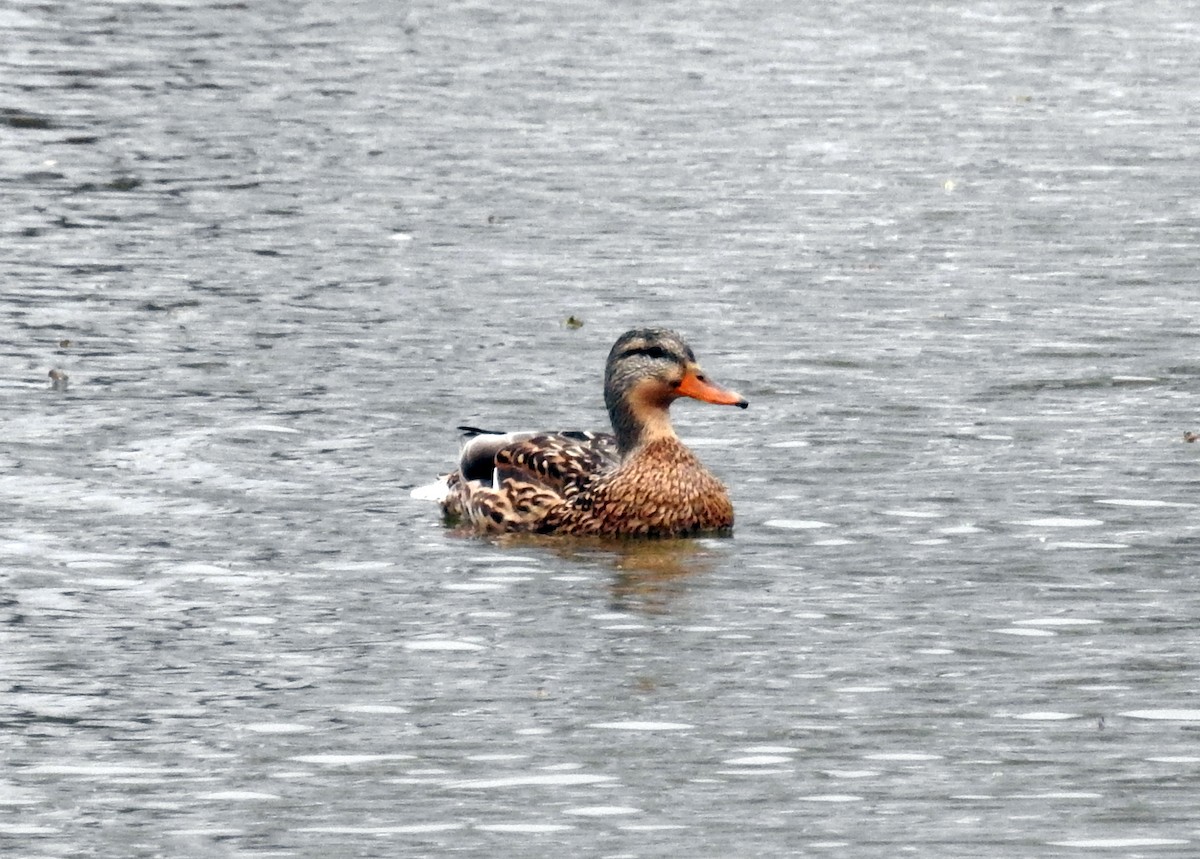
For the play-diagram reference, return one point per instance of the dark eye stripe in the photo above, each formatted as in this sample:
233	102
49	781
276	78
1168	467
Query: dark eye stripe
655	352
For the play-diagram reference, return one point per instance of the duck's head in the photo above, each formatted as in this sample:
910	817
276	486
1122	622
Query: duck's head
647	370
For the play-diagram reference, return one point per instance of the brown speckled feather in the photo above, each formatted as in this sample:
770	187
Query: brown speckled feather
564	462
662	490
532	475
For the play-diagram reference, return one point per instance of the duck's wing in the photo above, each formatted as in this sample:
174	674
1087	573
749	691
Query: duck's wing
557	461
562	462
514	481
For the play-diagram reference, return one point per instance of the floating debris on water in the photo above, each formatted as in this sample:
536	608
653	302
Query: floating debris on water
58	380
124	183
25	119
574	322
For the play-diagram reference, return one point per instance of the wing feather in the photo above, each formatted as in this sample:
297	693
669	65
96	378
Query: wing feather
517	479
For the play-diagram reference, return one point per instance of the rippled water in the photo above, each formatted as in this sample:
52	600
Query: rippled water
279	250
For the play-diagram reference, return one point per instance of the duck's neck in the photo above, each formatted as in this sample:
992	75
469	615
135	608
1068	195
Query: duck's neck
637	423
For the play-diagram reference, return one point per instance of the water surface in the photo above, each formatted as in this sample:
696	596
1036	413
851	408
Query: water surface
281	250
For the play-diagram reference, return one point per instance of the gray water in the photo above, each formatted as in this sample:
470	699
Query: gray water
280	250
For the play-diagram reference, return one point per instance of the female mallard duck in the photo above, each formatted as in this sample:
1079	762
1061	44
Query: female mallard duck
638	482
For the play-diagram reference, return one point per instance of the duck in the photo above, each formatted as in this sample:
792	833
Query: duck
640	480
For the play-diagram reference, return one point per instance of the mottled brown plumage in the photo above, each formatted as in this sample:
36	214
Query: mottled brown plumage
641	481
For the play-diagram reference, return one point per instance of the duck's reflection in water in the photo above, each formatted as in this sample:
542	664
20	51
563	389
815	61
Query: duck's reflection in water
649	574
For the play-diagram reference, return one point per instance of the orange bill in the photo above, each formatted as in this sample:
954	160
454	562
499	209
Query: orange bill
697	386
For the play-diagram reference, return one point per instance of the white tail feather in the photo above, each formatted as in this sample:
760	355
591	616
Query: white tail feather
436	491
